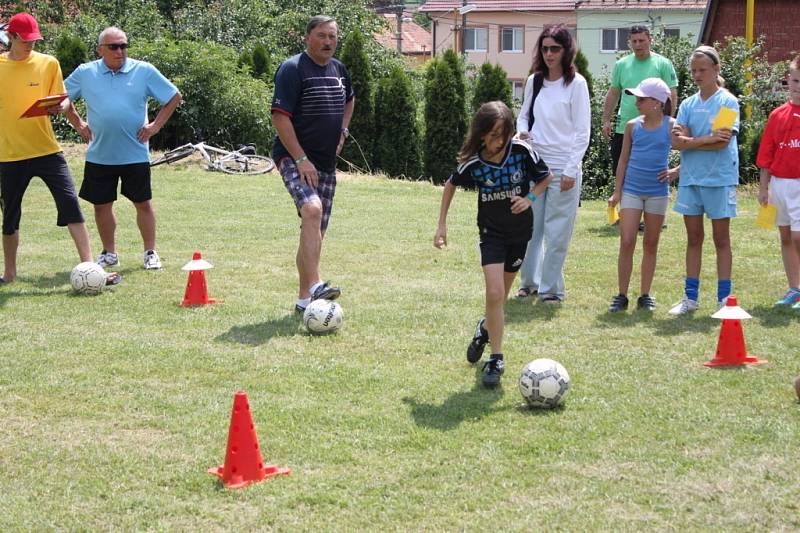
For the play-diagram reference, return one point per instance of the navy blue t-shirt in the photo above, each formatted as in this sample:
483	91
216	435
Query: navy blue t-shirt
497	184
314	98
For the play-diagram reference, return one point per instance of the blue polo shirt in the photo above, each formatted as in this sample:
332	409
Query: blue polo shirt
117	107
708	168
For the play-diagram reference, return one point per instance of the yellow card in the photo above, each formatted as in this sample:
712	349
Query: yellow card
767	216
613	215
724	119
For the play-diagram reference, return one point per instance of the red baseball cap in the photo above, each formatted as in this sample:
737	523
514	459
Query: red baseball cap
24	25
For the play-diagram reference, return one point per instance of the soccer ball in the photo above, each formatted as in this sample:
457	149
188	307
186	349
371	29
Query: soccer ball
88	278
323	316
544	383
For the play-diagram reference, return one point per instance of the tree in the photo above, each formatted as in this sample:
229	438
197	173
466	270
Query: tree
442	121
459	109
71	53
262	68
359	149
397	149
582	66
491	85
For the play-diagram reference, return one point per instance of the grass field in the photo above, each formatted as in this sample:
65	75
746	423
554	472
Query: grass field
113	407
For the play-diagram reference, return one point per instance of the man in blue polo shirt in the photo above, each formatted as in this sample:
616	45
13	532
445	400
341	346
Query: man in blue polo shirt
116	89
312	106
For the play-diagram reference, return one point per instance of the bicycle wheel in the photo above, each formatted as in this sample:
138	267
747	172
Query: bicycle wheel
181	152
245	164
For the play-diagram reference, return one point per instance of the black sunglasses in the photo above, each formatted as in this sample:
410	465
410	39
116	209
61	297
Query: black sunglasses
116	46
556	48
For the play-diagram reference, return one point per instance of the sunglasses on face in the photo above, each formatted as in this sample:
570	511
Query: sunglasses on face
116	46
556	48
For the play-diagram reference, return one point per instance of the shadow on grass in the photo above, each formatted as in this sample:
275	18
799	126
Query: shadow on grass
525	409
662	326
529	309
41	286
257	334
775	317
473	404
603	231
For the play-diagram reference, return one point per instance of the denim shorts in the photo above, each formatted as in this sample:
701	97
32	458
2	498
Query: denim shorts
714	202
302	193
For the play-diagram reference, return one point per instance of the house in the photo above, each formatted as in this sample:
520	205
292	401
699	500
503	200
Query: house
413	41
502	32
775	19
603	25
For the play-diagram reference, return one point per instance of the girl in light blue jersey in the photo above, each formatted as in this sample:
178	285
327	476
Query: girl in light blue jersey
642	187
705	133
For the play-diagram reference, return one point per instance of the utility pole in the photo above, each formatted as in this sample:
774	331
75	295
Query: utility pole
399	35
463	30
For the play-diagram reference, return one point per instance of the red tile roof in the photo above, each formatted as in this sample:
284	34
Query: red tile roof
501	5
616	5
416	39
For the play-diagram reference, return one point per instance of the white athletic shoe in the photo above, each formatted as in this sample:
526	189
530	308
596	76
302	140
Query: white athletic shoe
151	260
684	306
107	259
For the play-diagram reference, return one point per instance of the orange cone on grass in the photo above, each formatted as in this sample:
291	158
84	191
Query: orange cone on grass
731	348
196	289
243	461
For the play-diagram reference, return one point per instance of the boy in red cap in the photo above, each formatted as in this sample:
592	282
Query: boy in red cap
28	146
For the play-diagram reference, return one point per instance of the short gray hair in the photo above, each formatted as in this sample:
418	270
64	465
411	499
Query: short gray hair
318	20
108	31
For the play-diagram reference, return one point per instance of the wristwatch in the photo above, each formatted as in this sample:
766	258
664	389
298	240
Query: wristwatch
345	132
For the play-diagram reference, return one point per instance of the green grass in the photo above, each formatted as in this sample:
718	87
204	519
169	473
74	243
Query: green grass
113	407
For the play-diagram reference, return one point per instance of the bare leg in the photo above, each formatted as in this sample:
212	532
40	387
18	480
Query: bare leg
146	220
498	283
106	225
790	251
310	247
652	232
10	246
694	244
80	235
628	233
722	242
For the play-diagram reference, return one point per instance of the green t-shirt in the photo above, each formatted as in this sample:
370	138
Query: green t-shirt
629	72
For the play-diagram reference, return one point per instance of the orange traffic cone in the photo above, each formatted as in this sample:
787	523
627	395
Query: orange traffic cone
243	462
731	349
196	290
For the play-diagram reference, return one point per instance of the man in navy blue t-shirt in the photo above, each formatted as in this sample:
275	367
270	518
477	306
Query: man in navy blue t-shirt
311	109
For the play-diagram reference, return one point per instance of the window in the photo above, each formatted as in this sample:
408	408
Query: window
476	40
512	39
670	33
614	39
517	89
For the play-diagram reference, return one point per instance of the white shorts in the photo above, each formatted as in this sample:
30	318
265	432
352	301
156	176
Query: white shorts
785	195
655	205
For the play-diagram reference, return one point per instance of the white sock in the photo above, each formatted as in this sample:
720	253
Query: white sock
303	302
314	287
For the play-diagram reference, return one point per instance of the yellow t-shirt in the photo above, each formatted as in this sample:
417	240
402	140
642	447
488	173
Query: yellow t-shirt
21	84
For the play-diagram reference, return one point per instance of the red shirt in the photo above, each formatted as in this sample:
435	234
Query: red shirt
780	145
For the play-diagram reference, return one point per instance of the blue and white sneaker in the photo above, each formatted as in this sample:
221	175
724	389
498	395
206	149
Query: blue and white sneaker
791	297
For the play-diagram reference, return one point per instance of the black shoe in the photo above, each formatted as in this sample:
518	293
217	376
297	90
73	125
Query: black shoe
326	292
646	302
618	303
641	227
299	309
492	372
478	343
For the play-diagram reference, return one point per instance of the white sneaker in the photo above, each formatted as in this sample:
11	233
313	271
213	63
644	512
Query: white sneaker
684	306
151	260
722	303
107	259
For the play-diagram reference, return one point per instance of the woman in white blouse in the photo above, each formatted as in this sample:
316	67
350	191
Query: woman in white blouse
558	130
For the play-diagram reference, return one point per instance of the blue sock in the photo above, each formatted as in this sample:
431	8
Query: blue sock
724	287
692	289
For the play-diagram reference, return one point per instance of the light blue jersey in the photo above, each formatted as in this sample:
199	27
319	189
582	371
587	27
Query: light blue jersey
708	168
117	107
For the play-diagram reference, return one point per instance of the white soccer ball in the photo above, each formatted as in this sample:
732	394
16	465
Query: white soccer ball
323	316
544	383
88	278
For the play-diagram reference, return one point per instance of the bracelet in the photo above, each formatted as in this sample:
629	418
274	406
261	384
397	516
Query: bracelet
300	159
531	197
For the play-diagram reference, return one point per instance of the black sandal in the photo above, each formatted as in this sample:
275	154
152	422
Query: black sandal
526	292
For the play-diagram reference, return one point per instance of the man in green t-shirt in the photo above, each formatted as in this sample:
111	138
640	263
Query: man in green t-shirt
628	72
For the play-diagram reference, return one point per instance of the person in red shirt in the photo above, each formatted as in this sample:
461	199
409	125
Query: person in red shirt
779	161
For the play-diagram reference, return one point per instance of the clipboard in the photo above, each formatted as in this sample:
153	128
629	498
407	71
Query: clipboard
724	119
40	106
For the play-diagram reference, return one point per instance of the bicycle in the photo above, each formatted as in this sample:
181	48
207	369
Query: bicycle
241	161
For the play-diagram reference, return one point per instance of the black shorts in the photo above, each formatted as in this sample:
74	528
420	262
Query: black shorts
494	251
15	176
100	182
616	151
